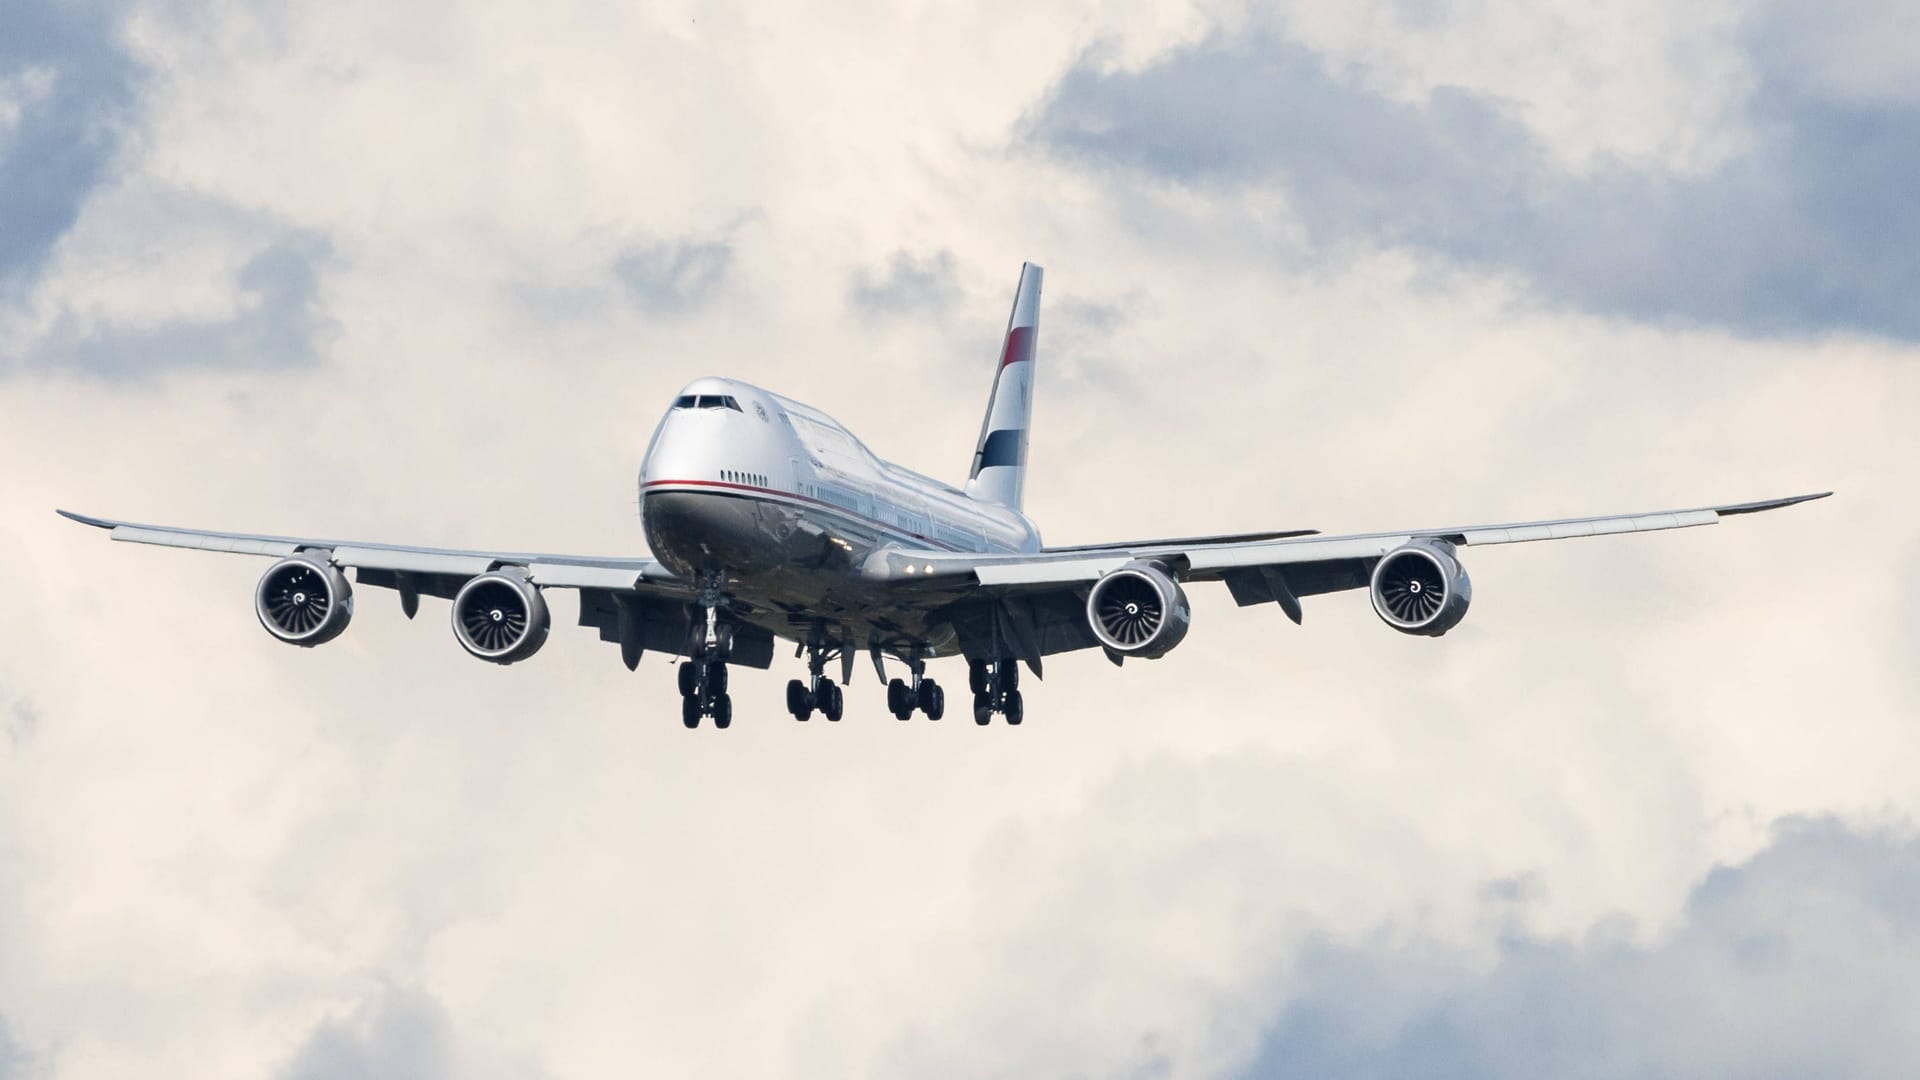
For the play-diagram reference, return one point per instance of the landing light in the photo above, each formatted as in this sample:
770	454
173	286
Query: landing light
909	568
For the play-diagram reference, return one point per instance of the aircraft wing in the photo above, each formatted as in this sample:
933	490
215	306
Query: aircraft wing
551	571
1034	600
632	600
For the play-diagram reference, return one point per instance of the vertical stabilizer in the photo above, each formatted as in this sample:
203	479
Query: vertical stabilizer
1000	458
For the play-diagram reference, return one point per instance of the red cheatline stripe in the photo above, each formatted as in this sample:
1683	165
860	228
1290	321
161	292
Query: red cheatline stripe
821	503
1019	346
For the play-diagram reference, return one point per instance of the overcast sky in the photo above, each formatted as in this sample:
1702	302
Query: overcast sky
430	273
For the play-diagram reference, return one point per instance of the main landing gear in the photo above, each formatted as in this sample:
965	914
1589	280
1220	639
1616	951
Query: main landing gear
922	693
996	689
703	677
819	692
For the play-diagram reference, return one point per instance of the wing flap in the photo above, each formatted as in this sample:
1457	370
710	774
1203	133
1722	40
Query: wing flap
1050	570
573	576
414	561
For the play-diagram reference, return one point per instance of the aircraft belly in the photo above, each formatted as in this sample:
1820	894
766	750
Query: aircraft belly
786	567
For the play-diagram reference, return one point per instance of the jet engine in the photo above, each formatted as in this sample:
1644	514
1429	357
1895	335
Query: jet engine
304	600
500	617
1421	588
1139	610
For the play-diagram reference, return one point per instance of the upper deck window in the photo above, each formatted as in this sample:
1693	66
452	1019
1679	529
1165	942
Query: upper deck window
707	401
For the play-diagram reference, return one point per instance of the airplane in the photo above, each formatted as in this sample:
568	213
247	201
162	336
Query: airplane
766	520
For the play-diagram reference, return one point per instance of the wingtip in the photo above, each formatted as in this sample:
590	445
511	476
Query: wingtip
1770	504
98	523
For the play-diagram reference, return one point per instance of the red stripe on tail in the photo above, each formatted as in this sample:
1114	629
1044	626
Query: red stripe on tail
1019	346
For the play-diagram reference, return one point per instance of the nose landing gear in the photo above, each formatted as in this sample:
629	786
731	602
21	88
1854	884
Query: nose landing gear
703	677
996	689
703	691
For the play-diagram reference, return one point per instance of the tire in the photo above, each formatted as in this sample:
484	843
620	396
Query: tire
690	711
937	706
899	699
689	679
797	697
1016	709
722	712
834	702
924	697
716	678
1010	676
977	676
982	708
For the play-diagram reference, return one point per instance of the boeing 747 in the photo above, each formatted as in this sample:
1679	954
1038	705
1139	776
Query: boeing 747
768	521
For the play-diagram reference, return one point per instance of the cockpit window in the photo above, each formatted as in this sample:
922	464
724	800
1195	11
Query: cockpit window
707	401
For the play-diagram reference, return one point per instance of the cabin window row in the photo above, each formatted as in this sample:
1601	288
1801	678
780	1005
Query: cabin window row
735	476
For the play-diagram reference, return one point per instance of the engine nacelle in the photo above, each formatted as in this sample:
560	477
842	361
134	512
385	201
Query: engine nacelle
1421	588
500	617
304	600
1139	610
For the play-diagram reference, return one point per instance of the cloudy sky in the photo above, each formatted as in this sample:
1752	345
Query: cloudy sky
430	274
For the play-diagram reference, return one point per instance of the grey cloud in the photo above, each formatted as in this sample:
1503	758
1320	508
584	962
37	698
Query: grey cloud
1795	963
398	1035
66	135
1811	231
22	720
279	323
910	285
675	276
13	1062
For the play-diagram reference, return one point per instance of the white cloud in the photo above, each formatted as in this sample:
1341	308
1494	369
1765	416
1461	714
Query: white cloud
20	91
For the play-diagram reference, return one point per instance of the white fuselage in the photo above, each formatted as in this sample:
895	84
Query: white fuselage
784	504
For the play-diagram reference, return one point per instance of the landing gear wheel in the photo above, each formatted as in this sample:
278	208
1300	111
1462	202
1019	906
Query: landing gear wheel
716	678
723	712
977	676
833	702
689	679
899	699
799	702
1014	709
933	700
690	711
982	708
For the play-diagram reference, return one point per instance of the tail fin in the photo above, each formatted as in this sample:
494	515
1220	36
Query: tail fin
1000	459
